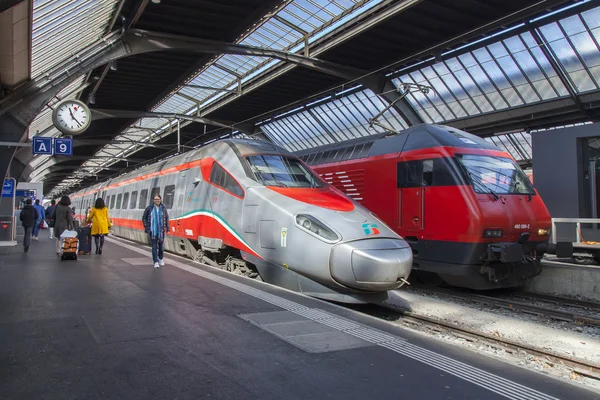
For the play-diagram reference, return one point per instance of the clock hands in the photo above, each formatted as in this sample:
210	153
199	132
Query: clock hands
73	116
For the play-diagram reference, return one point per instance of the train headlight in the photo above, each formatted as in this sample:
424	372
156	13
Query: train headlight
492	233
543	232
316	227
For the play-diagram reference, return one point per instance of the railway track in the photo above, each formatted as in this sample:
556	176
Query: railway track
559	300
426	324
523	306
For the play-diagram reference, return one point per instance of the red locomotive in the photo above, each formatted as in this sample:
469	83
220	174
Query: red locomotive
468	210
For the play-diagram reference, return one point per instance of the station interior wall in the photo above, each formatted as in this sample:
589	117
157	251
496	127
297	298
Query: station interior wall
560	169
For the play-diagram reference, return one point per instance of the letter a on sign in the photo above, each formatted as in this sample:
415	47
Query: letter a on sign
42	145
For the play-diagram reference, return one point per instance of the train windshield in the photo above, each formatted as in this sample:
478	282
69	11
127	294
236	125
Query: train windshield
273	170
496	175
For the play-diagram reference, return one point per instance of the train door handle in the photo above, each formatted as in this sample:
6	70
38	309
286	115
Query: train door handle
416	219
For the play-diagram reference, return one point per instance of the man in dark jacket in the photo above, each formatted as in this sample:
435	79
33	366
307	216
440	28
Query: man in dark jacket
50	217
28	217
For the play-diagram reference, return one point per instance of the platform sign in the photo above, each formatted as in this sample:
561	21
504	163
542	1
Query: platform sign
7	211
8	189
42	145
63	147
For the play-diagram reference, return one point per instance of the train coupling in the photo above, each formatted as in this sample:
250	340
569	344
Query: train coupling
560	249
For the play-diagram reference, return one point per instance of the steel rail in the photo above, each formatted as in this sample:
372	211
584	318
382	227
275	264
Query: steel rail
529	308
580	366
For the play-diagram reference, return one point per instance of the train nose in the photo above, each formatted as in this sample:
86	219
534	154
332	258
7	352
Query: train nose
371	264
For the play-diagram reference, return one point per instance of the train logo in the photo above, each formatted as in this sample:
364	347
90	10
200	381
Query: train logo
370	229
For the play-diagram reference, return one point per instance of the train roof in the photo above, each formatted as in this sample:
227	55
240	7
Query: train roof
242	147
420	136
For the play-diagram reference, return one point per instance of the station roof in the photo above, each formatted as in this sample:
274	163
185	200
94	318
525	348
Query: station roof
491	64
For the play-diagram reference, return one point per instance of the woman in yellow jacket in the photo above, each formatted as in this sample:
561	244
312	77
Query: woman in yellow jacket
100	223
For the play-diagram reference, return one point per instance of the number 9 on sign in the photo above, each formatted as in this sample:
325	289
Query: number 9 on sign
63	147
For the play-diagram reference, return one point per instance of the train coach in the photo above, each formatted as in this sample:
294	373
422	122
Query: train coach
469	212
254	209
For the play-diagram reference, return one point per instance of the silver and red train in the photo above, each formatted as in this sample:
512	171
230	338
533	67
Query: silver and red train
255	209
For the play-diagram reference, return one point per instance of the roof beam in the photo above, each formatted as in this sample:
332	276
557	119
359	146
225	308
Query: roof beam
103	113
26	102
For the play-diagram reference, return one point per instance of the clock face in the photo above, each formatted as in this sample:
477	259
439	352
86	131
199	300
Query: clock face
71	116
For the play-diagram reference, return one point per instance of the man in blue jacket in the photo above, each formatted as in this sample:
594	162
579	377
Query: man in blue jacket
156	225
41	216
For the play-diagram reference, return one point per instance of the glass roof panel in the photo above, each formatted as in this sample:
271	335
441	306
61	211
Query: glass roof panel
62	26
510	72
333	121
175	104
568	56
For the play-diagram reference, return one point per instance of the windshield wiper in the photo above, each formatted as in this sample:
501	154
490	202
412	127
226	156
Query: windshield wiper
475	179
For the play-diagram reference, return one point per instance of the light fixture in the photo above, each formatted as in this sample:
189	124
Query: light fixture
156	1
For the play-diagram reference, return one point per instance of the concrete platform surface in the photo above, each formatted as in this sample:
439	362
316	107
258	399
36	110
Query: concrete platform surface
113	327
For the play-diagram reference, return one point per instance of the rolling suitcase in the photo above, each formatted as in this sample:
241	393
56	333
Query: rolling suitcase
70	245
84	234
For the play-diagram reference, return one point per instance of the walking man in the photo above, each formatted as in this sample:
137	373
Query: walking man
28	217
156	225
41	215
50	217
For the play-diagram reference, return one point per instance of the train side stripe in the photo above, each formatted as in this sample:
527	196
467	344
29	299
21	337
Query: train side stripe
218	218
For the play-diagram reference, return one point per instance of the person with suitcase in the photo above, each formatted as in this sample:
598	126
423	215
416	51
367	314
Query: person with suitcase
100	223
63	220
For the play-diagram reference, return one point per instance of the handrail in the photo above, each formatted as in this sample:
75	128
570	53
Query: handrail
577	221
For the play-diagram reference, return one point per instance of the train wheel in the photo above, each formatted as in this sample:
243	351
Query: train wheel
582	260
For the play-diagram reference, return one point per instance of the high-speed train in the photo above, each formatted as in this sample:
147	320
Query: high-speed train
253	208
467	209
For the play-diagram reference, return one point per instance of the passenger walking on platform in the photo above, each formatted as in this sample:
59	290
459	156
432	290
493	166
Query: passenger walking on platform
28	217
156	225
41	217
98	216
63	219
50	217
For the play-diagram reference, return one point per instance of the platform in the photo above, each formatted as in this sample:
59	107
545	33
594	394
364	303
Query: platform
113	327
564	278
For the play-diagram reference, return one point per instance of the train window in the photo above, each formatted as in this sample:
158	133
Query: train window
423	173
125	200
495	174
133	201
221	178
275	170
169	196
427	173
154	192
143	198
118	205
112	201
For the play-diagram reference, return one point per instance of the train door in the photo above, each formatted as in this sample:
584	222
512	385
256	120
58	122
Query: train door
411	195
225	196
179	201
